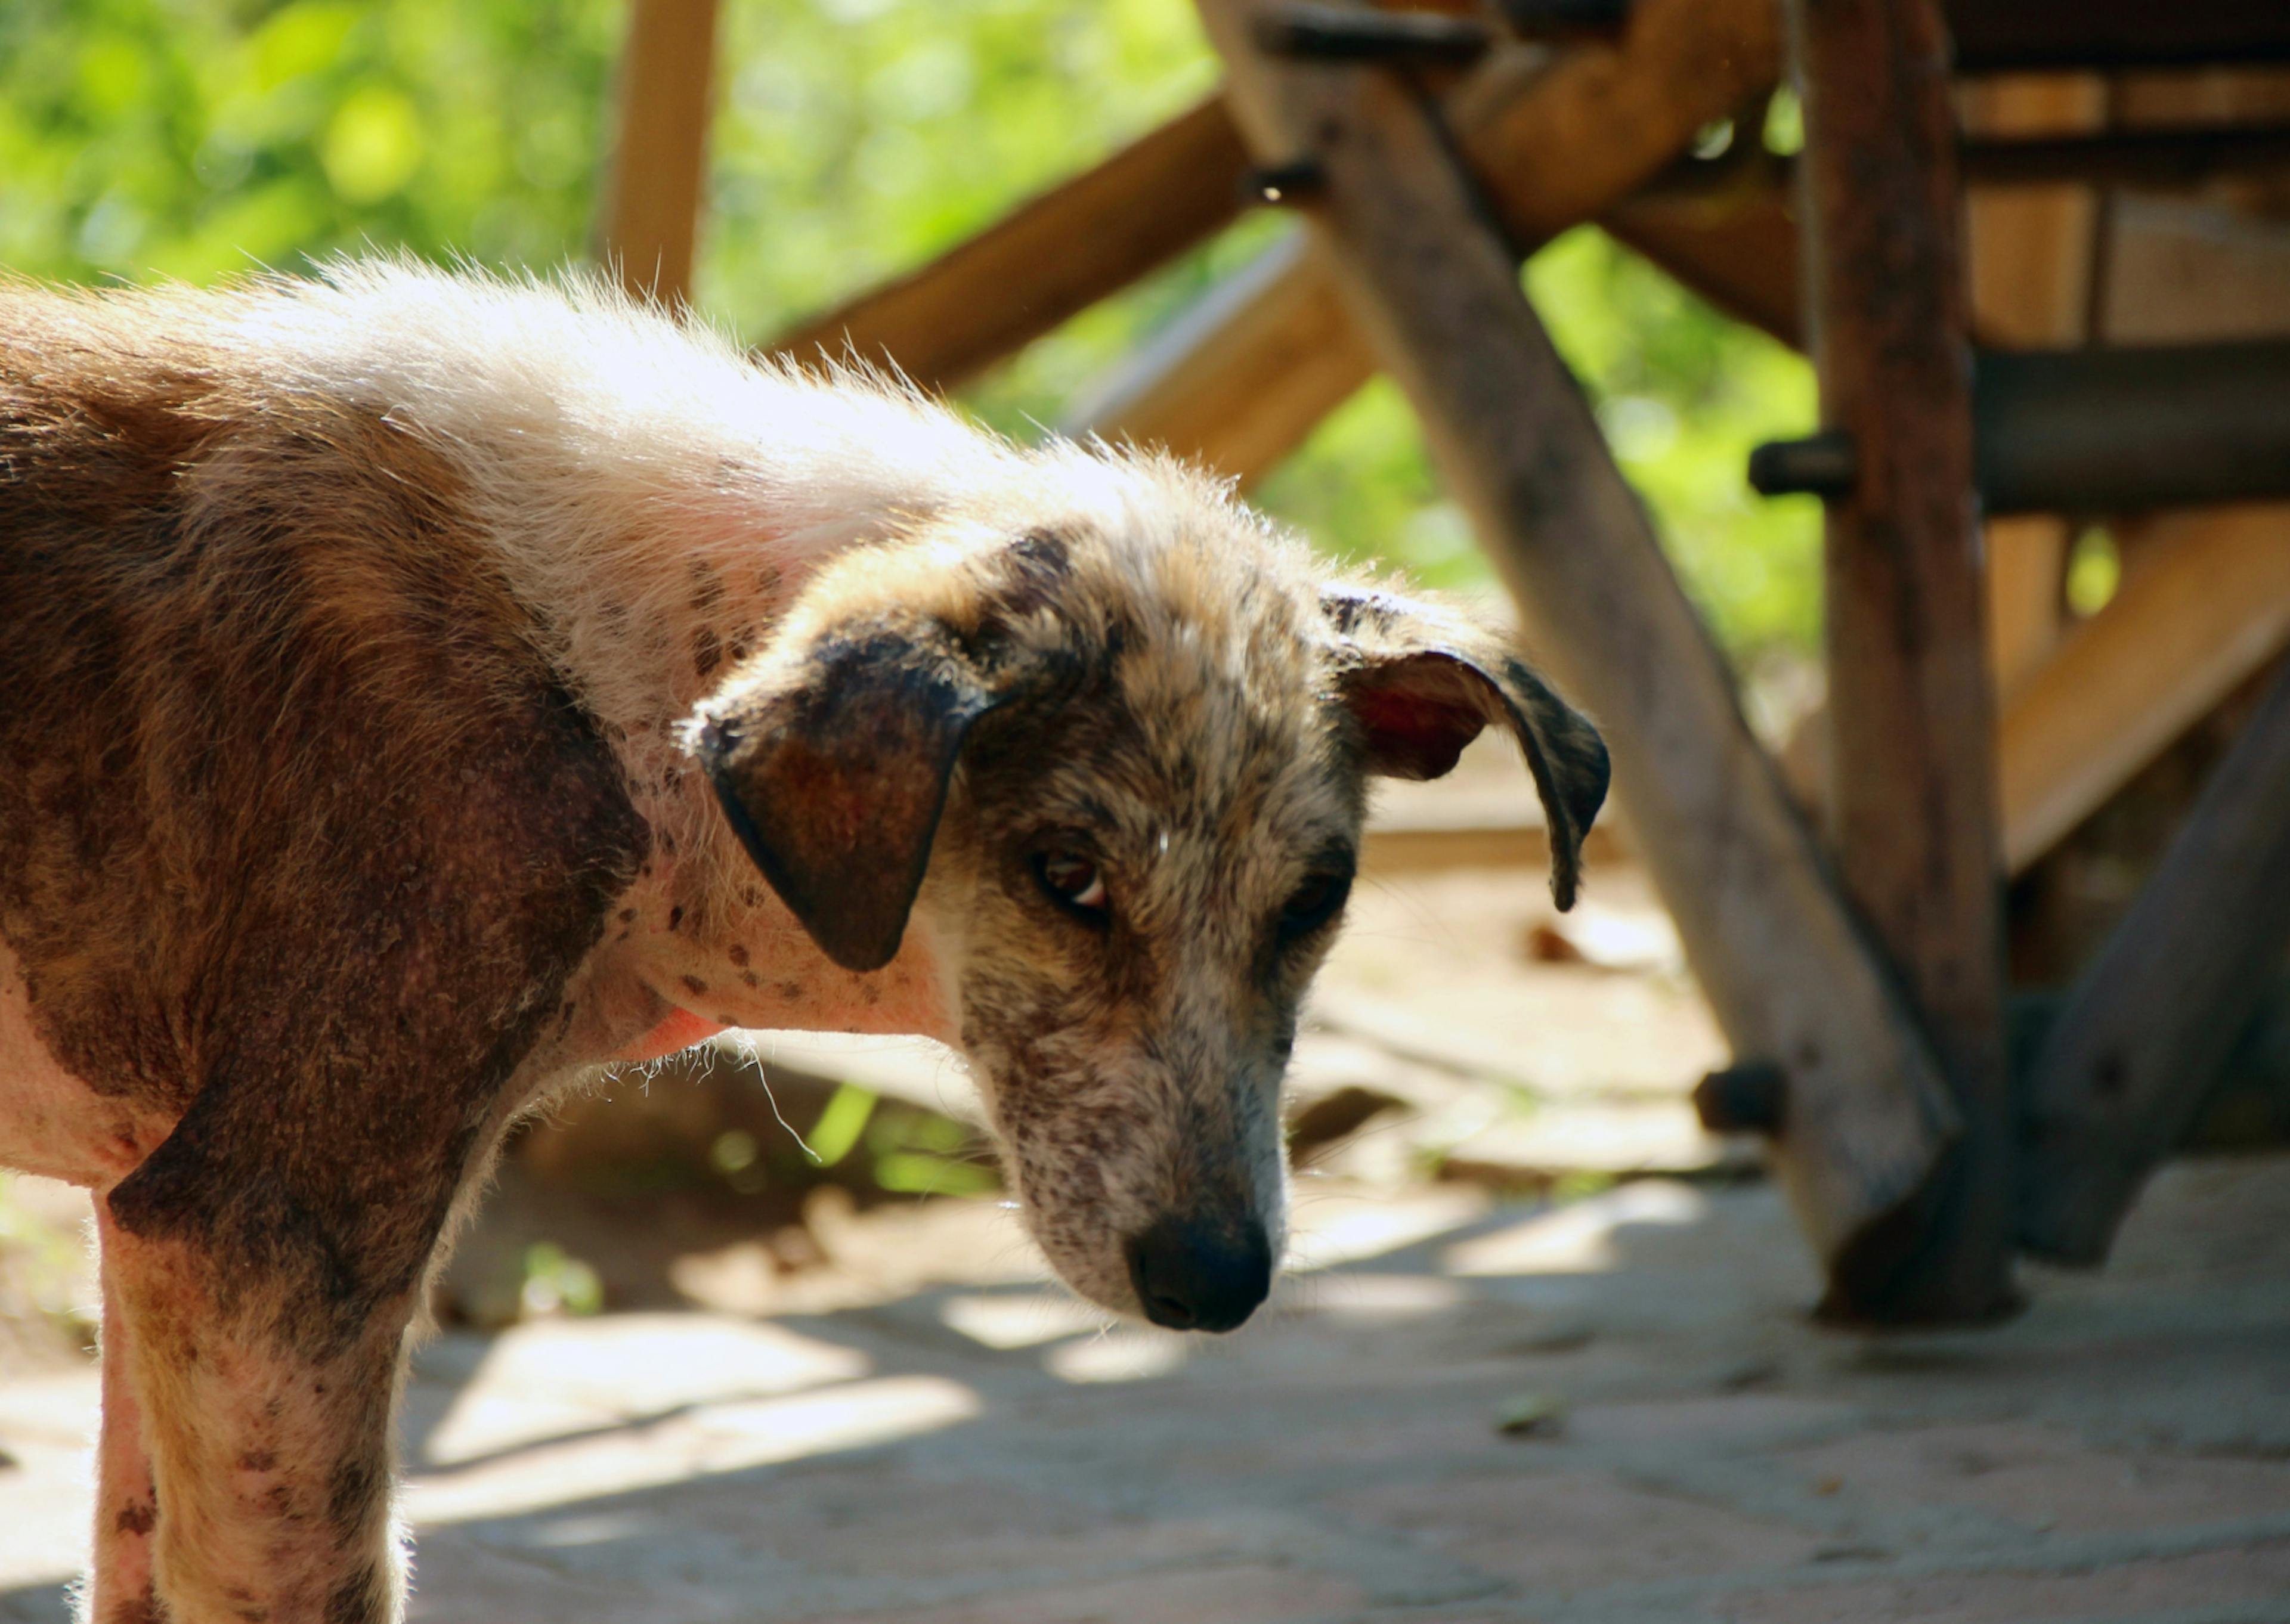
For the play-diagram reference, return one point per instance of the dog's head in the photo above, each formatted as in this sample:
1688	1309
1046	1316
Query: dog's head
1115	765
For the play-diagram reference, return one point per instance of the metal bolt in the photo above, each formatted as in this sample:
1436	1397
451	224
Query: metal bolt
1297	180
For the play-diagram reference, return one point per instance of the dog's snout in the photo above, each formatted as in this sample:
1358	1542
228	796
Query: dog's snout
1191	1275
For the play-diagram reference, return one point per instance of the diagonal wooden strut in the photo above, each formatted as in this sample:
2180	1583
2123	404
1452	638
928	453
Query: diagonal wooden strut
2147	1027
1436	289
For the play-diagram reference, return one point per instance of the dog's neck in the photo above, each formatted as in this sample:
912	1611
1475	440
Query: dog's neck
668	605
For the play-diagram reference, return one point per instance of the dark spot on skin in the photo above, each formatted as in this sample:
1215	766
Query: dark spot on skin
257	1460
792	990
748	976
707	651
738	955
695	985
707	586
726	1020
676	917
136	1517
742	643
627	916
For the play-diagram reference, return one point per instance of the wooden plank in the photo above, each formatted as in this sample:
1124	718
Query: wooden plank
2130	1063
1911	798
2027	564
1054	256
1775	949
650	224
1551	154
2208	606
2030	254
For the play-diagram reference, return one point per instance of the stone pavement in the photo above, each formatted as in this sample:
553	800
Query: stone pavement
1613	1411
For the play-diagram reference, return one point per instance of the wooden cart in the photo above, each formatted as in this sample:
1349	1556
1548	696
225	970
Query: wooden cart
2036	252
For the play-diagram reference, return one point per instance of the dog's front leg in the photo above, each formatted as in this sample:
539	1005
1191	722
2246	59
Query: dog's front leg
269	1452
126	1505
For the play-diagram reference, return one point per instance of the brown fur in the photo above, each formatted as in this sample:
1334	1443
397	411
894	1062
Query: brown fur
345	804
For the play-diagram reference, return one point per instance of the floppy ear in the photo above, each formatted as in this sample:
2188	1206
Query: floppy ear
1422	682
833	770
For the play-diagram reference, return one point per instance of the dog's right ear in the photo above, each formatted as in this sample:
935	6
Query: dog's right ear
1421	683
833	770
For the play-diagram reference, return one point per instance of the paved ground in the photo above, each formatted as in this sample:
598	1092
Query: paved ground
1685	1446
1459	1410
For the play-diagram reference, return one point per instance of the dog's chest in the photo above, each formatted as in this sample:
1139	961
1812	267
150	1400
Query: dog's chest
51	1122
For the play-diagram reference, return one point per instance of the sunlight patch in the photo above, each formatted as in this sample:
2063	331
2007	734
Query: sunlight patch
703	1442
555	1378
1022	1320
1578	1239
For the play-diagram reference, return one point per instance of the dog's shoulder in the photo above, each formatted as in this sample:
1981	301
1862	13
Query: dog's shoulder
288	767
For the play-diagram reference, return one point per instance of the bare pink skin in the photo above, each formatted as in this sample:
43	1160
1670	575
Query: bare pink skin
125	1495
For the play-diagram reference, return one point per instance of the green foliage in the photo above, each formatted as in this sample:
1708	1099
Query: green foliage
853	140
192	137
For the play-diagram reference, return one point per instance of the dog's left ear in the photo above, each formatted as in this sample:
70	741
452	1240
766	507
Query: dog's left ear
1422	682
833	769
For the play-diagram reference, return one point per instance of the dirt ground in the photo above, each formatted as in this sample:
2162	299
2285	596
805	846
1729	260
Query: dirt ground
1543	1353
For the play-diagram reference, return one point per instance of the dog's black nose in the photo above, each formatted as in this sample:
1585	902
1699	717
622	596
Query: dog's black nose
1193	1276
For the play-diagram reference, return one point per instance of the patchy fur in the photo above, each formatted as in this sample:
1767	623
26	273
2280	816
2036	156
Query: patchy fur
423	689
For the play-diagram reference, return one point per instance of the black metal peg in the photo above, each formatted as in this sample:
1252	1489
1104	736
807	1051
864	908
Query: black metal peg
1826	465
1749	1098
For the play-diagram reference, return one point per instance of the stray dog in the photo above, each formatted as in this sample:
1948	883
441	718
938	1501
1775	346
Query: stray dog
419	690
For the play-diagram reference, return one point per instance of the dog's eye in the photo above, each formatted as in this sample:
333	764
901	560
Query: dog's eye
1072	879
1314	903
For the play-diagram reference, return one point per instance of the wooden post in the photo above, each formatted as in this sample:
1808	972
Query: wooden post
650	223
1865	1114
2144	1033
1911	794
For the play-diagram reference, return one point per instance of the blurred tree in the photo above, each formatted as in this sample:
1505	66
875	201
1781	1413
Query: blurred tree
853	137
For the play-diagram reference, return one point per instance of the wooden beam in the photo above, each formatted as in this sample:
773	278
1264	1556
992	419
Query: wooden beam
1911	799
2131	1060
1551	152
650	224
1054	256
1740	253
2209	605
2116	33
1240	379
1776	951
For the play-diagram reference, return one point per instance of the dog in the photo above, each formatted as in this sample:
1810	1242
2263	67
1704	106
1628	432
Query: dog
419	690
